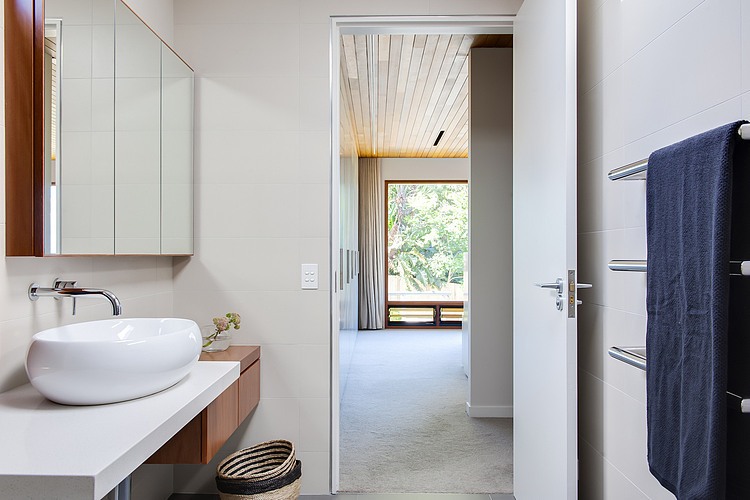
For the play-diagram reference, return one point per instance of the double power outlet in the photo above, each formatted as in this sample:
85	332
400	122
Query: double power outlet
309	276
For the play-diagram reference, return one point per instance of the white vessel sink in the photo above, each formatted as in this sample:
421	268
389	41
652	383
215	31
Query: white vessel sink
114	360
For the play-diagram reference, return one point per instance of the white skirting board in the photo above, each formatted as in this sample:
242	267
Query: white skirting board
489	411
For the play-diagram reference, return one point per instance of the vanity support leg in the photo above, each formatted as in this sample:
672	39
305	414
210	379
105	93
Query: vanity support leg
122	492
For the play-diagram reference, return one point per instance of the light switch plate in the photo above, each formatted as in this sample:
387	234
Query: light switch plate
309	276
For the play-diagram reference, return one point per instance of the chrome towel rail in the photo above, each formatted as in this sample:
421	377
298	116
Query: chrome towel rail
736	267
636	356
628	265
637	169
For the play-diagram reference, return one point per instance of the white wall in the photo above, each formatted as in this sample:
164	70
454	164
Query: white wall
262	172
490	300
425	169
650	74
143	284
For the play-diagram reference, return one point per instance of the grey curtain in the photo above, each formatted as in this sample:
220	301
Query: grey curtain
371	245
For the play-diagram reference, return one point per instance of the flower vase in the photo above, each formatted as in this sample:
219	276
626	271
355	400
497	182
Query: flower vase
212	341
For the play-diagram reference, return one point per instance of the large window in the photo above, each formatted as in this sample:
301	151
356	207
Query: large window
427	240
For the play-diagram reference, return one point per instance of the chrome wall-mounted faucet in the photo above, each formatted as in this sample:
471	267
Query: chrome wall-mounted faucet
65	288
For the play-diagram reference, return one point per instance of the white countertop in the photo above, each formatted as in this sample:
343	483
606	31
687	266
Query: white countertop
82	452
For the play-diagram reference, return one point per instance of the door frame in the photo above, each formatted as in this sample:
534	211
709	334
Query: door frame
340	25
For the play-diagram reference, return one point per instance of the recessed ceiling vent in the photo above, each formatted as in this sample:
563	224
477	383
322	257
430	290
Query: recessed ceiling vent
440	136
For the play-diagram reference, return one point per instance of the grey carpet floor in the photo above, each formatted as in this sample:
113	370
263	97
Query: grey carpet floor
404	427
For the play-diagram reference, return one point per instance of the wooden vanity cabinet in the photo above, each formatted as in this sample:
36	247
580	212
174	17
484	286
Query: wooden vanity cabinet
201	438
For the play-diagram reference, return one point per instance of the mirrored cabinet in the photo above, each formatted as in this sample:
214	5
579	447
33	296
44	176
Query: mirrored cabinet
108	164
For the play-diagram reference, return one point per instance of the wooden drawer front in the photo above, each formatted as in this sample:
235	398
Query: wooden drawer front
202	437
220	422
249	390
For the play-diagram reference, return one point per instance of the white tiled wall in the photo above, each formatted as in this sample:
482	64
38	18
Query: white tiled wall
650	74
262	162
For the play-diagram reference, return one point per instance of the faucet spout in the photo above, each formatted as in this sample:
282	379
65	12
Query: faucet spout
84	292
69	289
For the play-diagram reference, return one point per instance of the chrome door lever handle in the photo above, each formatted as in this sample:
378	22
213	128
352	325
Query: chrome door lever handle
584	285
557	285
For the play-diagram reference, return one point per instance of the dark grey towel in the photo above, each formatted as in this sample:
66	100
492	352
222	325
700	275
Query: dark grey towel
688	211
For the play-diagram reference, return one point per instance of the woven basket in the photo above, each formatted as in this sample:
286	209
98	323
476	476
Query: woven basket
263	461
286	487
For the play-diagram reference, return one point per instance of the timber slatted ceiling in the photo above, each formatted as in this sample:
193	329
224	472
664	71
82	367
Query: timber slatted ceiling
405	89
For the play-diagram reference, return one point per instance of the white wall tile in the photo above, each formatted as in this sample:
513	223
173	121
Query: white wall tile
258	211
320	11
315	111
76	53
447	7
206	47
601	118
315	163
248	157
313	214
75	158
643	21
314	49
314	381
242	264
76	118
247	103
680	91
280	371
74	12
314	414
237	12
600	40
315	472
600	479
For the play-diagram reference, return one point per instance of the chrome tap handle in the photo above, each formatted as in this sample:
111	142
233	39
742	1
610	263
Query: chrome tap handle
59	283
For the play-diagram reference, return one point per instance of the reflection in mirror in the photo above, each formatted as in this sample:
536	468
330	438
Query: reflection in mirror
118	137
52	47
176	155
83	180
137	135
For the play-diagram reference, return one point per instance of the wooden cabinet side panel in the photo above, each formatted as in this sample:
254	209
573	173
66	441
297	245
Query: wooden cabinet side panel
221	421
249	390
184	447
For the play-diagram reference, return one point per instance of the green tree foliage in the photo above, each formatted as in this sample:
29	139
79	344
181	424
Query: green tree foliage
428	232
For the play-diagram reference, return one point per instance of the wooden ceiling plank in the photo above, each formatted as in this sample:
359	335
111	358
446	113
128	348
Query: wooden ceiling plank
393	76
407	44
426	132
436	44
458	121
432	79
450	74
360	44
418	49
453	99
448	124
351	82
383	58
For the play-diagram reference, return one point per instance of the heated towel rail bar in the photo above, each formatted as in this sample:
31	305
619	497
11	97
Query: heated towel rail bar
736	267
636	356
637	169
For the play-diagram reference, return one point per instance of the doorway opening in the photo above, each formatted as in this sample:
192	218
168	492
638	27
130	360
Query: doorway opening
379	84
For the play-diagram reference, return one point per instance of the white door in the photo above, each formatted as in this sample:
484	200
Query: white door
544	248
